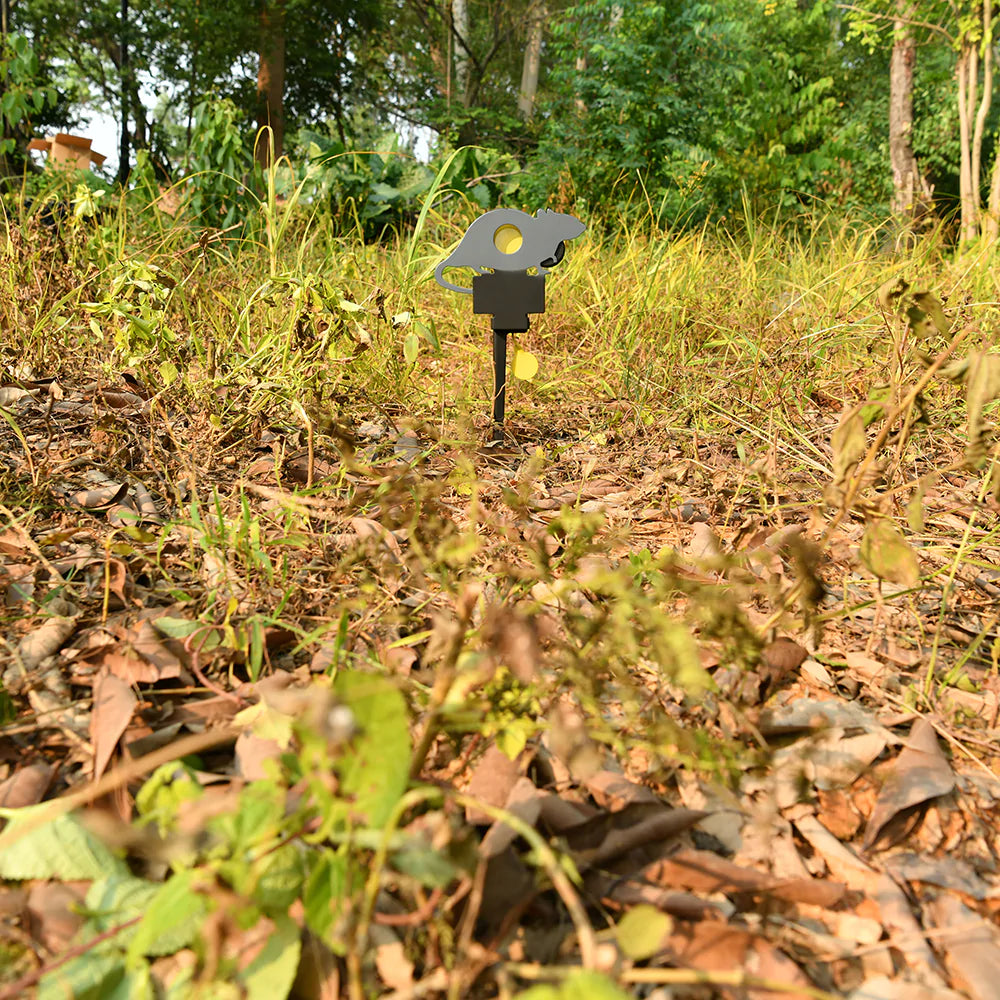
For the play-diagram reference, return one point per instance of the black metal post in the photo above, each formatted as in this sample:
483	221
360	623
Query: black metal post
499	377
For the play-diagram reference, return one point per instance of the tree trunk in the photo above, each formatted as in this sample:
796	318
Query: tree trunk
460	22
967	198
982	112
581	67
271	80
123	150
532	62
911	194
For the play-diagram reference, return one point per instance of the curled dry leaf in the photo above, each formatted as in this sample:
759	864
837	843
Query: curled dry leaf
45	640
921	773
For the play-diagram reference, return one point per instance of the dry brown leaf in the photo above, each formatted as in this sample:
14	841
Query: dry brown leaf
55	913
921	773
971	946
114	704
905	932
701	871
251	752
711	947
884	988
513	637
524	802
45	640
946	873
658	827
394	968
843	863
26	786
614	791
492	780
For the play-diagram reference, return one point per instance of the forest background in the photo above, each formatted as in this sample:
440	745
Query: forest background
689	109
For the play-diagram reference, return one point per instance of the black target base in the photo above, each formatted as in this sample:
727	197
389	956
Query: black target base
509	297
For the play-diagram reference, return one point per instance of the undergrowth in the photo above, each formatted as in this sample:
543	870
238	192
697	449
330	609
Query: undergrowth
312	410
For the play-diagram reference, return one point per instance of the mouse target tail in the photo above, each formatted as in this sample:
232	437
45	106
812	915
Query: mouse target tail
440	279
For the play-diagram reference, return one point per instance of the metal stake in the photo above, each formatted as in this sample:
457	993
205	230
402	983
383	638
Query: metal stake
499	378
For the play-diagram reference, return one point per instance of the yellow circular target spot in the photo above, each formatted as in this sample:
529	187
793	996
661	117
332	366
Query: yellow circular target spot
525	365
508	239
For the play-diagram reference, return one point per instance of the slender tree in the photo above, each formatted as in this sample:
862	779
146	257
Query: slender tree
271	79
912	194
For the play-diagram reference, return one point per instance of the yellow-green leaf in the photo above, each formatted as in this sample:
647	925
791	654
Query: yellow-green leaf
888	555
849	444
640	933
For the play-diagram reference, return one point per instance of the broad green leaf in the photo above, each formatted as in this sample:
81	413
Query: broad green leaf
375	766
271	974
641	932
63	848
525	365
175	913
888	555
878	397
168	372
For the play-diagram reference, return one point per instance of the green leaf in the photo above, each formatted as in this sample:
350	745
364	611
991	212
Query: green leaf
62	848
271	974
375	766
168	372
578	986
177	628
641	932
95	975
411	345
888	555
428	332
429	866
325	893
280	878
174	913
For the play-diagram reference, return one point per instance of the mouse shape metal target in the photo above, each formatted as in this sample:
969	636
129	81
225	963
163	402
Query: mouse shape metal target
501	247
509	240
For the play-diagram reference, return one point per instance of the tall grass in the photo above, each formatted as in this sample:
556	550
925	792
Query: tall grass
699	329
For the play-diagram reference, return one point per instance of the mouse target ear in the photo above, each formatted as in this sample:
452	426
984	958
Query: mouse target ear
556	257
